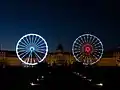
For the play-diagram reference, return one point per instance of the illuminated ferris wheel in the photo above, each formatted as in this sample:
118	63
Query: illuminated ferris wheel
31	49
87	49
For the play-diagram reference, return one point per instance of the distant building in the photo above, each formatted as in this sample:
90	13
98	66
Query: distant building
60	57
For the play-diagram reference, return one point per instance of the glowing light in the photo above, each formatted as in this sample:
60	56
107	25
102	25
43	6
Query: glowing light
32	84
84	77
49	72
32	49
89	80
29	48
87	49
37	79
42	77
100	84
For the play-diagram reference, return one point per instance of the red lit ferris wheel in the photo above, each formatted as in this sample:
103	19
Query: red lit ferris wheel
87	49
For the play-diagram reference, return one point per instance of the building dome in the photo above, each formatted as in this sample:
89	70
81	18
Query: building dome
60	48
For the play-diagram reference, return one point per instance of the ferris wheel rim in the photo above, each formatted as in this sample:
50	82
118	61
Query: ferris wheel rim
32	34
102	50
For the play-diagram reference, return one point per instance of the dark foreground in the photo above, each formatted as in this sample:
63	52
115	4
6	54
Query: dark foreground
60	78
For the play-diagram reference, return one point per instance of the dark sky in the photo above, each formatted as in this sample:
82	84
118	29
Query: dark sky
59	21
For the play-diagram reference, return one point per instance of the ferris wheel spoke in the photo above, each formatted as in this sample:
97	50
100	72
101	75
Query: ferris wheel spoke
98	52
28	59
38	44
37	55
76	43
34	60
76	49
77	52
37	59
95	56
21	51
98	49
76	46
41	47
84	60
87	38
81	55
31	59
41	44
25	60
25	41
35	38
81	40
40	51
29	38
96	41
32	39
38	40
24	54
84	39
90	60
21	46
90	39
96	44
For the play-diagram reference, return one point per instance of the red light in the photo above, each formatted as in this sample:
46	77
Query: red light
87	49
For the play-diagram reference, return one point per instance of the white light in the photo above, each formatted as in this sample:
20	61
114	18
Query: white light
80	74
84	77
32	84
89	80
37	79
42	77
49	72
100	84
77	73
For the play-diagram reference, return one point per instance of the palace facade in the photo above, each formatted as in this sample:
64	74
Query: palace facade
60	57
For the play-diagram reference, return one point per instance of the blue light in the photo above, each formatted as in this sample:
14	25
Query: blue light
29	48
32	49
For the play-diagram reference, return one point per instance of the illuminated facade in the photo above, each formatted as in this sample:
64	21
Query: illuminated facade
59	57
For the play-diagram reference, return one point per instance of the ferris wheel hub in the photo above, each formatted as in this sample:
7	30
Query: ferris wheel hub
87	49
32	49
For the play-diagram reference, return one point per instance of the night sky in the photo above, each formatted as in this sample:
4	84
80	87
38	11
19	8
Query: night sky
59	21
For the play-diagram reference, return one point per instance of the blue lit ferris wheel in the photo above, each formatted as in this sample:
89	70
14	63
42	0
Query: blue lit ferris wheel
31	49
87	49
